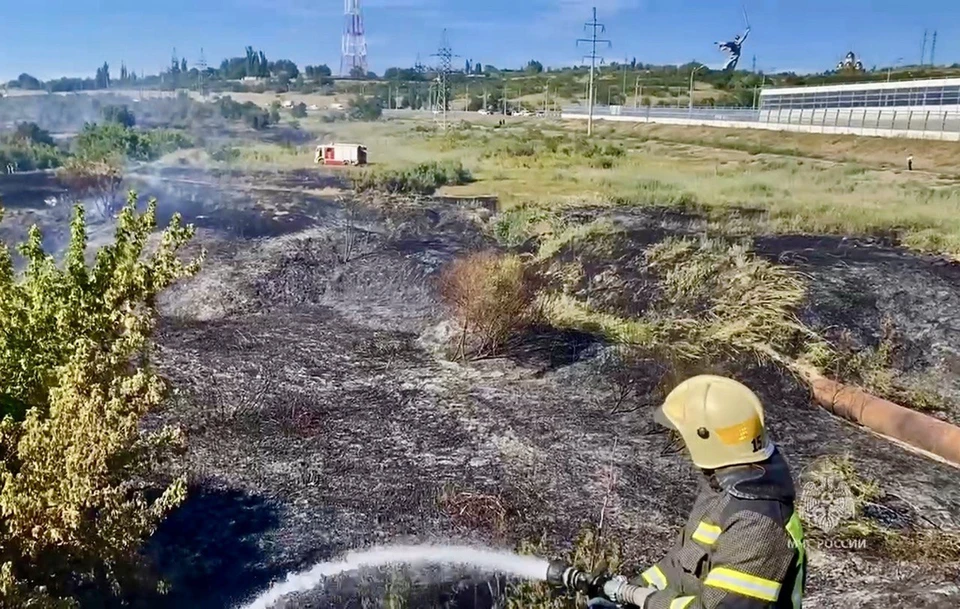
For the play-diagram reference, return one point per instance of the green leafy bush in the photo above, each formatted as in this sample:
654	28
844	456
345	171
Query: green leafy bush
28	156
113	140
75	384
120	115
423	179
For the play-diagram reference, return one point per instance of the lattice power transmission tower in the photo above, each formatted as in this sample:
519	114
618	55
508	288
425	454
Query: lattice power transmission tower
595	28
933	48
444	57
353	53
201	66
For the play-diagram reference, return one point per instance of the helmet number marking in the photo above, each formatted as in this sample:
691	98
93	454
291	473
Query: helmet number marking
757	444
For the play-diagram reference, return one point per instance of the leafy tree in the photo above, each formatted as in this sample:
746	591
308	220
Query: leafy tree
284	66
76	381
357	72
318	72
534	67
365	109
25	81
298	111
120	115
274	115
102	79
183	65
31	132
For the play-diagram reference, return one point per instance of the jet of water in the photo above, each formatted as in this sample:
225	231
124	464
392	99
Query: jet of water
527	567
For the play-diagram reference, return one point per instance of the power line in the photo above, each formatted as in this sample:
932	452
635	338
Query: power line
595	28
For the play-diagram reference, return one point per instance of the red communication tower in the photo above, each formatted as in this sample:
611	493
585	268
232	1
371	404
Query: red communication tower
353	54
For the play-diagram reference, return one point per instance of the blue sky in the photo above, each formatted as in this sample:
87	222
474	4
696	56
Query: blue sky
51	38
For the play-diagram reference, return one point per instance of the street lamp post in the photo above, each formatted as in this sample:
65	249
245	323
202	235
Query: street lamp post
692	73
763	83
896	65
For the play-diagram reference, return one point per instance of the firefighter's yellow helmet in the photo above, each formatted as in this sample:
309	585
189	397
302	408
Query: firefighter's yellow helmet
720	420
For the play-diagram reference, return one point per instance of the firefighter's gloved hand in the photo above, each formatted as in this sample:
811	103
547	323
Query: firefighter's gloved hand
613	587
620	592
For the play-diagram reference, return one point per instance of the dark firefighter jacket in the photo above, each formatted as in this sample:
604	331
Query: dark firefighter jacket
742	547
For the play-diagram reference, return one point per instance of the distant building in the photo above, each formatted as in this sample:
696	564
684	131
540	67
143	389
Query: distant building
937	95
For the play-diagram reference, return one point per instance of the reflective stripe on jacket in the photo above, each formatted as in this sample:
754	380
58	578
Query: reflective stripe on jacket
742	547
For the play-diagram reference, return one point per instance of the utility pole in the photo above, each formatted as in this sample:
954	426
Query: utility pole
546	96
595	28
636	93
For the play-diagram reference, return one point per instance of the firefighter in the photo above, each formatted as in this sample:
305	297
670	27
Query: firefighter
742	547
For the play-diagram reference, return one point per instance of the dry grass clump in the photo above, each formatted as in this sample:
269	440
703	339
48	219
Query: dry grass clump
715	300
492	298
474	511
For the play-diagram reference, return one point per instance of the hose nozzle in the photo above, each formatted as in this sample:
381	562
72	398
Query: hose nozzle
561	574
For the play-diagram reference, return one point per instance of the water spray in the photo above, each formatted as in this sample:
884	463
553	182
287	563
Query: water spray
527	567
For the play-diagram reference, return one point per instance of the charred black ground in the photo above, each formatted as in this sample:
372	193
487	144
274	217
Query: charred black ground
320	420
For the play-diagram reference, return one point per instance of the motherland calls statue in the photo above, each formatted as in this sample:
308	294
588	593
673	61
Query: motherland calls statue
733	48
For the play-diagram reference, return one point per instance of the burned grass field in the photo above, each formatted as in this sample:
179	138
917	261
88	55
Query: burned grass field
323	412
329	402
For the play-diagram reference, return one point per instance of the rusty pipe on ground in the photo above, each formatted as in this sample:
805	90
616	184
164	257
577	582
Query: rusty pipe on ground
923	432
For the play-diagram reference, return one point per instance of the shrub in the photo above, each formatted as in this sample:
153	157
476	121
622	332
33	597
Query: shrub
492	298
31	132
26	155
120	115
100	142
225	154
75	385
423	179
299	110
